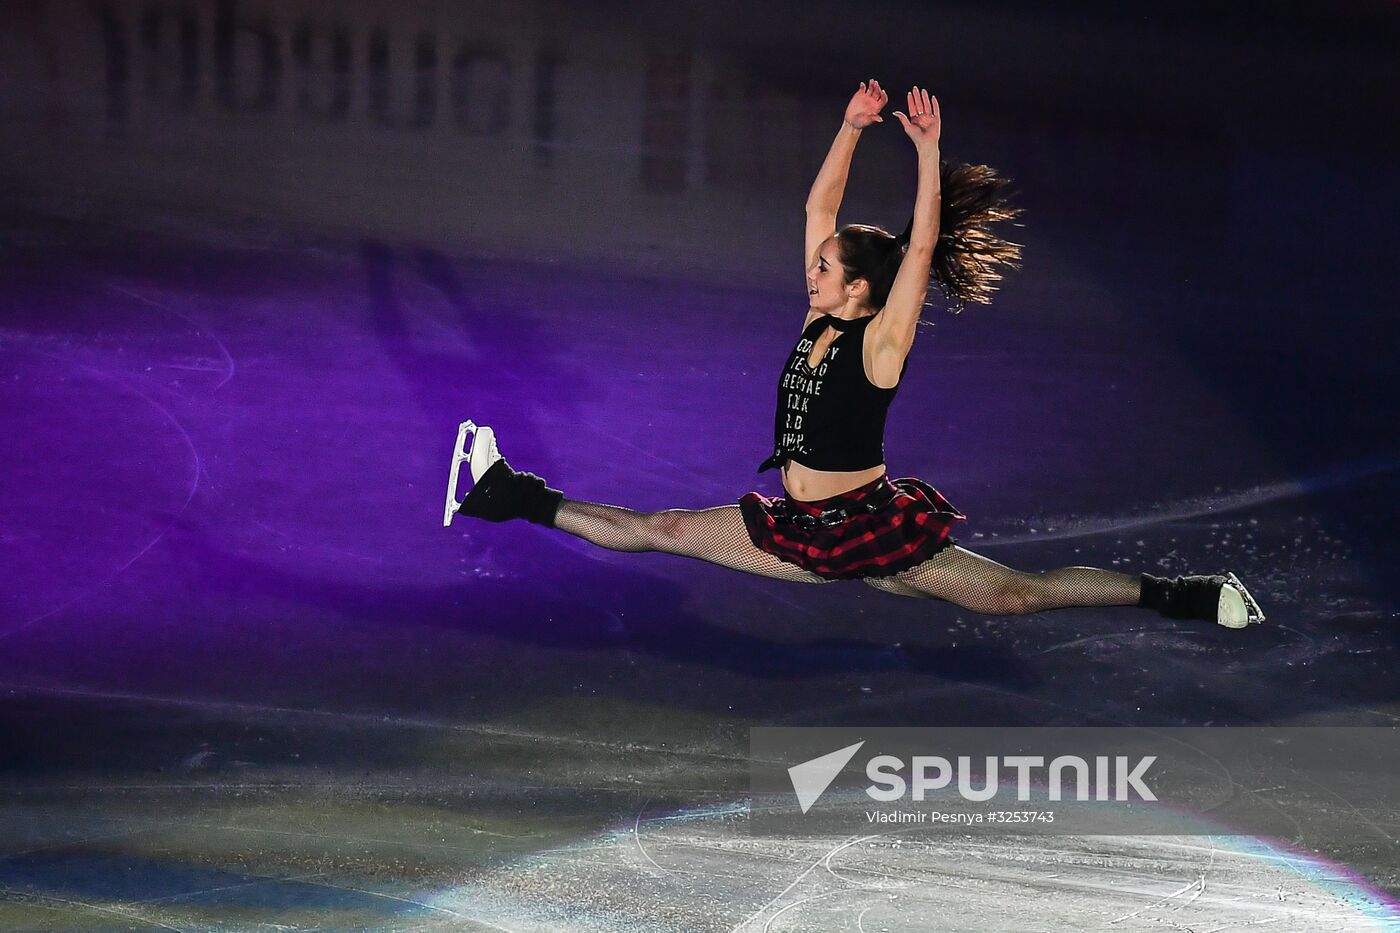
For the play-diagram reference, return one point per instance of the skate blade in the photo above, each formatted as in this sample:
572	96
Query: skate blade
1254	615
460	454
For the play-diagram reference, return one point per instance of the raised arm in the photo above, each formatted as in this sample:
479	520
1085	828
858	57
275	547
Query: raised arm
900	318
825	196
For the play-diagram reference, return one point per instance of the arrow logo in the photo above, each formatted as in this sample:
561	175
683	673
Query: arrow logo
811	778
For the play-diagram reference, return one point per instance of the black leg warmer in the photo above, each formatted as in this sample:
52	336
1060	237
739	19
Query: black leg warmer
1195	597
503	494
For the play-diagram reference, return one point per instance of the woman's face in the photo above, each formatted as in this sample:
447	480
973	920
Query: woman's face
826	278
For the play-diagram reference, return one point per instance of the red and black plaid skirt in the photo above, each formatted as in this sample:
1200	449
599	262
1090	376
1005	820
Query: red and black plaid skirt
875	530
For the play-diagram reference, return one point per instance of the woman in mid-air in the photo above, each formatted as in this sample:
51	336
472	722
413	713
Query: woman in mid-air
843	518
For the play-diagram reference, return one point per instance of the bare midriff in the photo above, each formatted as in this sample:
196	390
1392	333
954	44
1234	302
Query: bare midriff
806	484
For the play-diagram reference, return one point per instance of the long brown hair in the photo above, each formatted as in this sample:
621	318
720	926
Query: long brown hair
969	257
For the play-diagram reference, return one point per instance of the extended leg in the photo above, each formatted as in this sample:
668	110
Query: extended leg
974	582
499	494
982	585
716	535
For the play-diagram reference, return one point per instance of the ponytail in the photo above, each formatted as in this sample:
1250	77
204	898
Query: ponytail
967	259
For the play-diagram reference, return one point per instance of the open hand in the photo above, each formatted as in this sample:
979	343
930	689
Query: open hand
864	108
923	124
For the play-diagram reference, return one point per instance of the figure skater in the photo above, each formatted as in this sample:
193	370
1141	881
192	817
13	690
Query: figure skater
843	518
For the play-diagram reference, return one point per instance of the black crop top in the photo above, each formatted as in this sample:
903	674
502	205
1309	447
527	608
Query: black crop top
832	417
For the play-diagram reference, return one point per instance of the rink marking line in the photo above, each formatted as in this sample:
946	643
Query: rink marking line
257	880
37	899
343	837
826	862
637	838
777	897
228	369
1199	886
227	706
695	843
194	487
311	880
1351	806
860	917
676	467
1243	923
1104	636
405	900
1161	901
768	925
71	843
315	547
186	824
1339	475
910	880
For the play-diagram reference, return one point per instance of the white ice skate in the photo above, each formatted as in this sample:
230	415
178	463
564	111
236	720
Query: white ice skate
1237	609
479	457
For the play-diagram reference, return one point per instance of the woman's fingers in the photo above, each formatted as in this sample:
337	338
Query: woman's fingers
921	104
918	102
874	91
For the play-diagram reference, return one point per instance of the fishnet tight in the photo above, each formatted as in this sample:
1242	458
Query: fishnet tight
954	574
